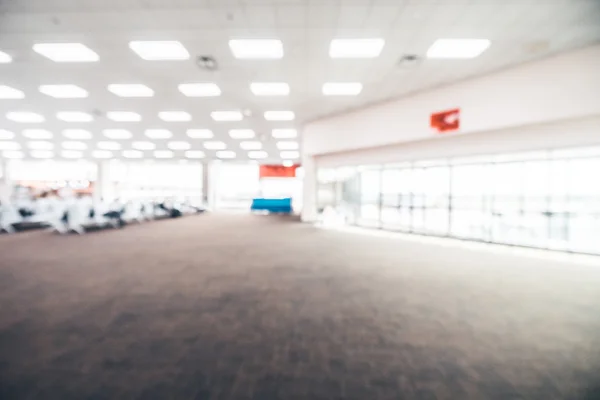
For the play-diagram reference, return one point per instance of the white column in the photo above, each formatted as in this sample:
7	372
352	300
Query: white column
6	185
309	189
102	186
210	175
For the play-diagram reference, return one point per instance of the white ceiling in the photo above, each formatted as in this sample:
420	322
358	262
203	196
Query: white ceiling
520	30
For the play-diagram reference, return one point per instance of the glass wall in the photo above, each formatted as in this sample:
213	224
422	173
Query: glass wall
545	199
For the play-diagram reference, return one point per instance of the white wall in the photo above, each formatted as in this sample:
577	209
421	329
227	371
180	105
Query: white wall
566	86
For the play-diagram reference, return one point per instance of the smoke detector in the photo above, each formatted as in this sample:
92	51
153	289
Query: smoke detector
207	62
409	61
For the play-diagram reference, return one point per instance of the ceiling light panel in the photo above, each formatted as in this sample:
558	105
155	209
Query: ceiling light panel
164	154
80	134
457	48
174	116
289	154
74	116
290	145
143	145
215	145
256	48
66	52
9	93
342	88
158	133
25	117
117	134
242	133
41	154
200	89
106	145
6	135
251	145
71	154
200	133
179	145
102	154
279	115
40	145
284	133
288	163
223	116
270	88
255	155
131	90
123	116
160	50
9	146
226	154
194	154
13	154
37	134
133	154
5	58
74	145
63	91
356	48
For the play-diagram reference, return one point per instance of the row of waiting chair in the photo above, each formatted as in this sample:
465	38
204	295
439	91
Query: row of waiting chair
80	214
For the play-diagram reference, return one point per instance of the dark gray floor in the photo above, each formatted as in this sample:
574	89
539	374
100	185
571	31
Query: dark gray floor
256	307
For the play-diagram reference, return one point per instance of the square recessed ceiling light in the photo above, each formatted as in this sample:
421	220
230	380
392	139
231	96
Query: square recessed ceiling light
256	48
66	52
160	50
226	154
158	133
117	134
37	134
71	154
163	154
279	115
270	88
289	154
284	133
63	91
342	88
14	154
287	145
132	154
41	154
108	145
143	145
215	145
131	90
6	135
251	145
5	58
356	48
200	89
257	154
40	145
7	92
25	117
174	116
9	146
123	116
457	48
288	163
74	145
102	154
200	133
242	133
194	154
77	134
74	116
179	145
226	116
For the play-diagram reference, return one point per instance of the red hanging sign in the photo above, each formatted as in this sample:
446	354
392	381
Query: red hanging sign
445	121
278	171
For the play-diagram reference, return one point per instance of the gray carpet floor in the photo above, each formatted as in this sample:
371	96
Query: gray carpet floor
258	307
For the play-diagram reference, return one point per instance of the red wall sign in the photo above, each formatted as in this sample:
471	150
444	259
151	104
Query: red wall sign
278	171
445	121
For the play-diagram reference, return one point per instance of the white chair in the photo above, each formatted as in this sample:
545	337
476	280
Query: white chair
9	216
133	212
